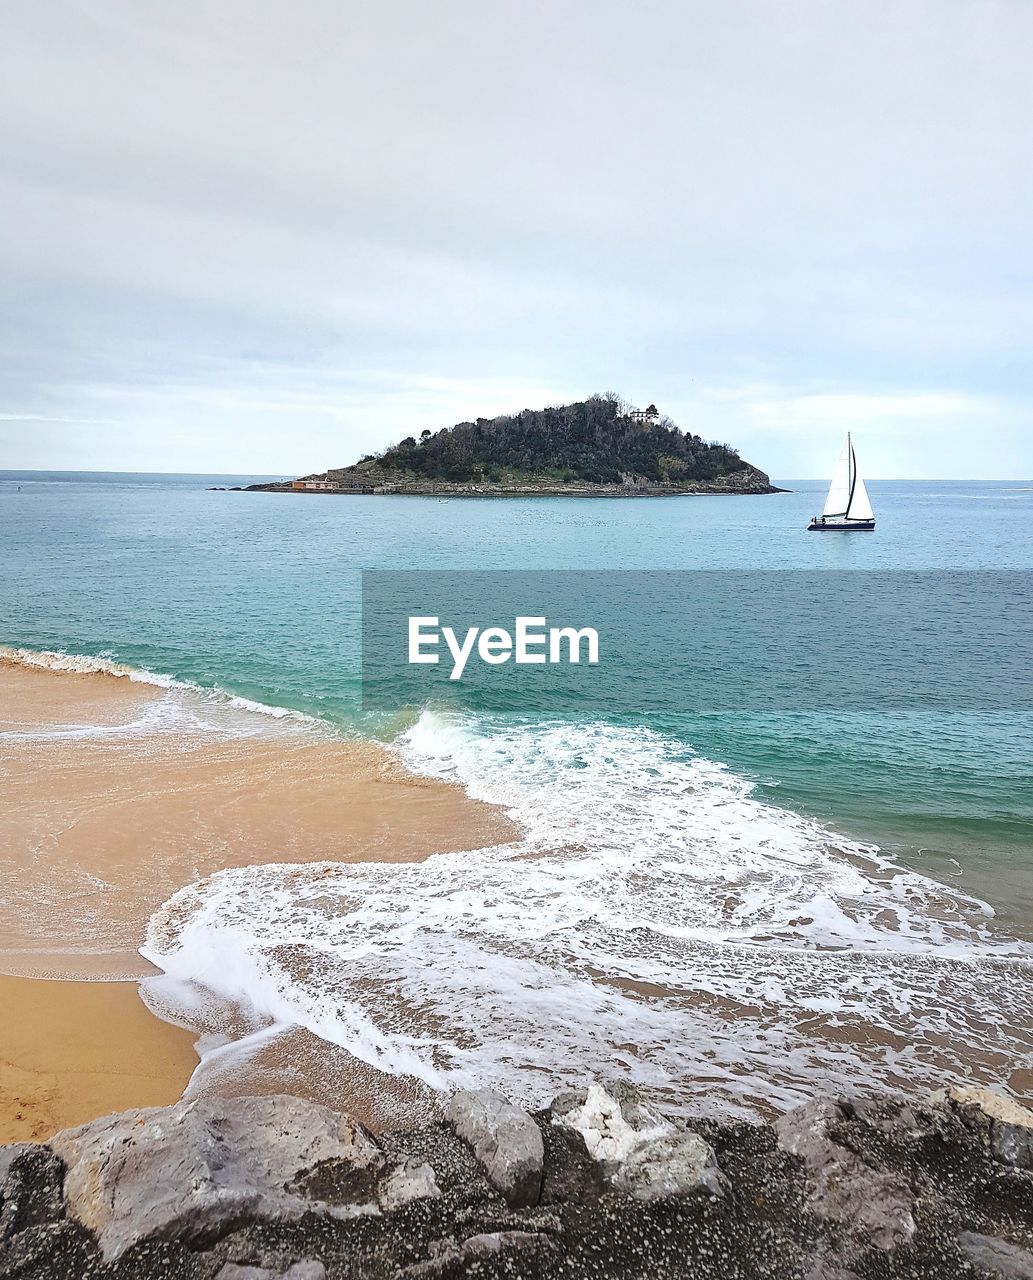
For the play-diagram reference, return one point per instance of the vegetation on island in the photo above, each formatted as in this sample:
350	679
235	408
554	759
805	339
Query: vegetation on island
595	447
601	440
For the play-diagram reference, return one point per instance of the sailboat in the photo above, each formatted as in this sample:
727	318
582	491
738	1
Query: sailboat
847	506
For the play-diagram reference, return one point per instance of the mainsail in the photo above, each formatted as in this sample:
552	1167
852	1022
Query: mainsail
859	507
847	497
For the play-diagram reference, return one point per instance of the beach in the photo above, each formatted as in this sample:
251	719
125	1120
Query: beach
72	1051
114	799
422	857
303	886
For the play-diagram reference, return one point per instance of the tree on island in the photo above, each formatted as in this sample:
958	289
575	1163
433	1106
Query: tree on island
595	441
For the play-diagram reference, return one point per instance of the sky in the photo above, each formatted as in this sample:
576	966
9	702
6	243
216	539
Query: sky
265	236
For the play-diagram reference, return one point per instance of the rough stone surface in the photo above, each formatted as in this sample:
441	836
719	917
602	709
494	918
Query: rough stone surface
448	1256
1011	1124
846	1188
999	1257
407	1182
30	1188
505	1140
640	1152
825	1270
307	1270
8	1155
192	1170
781	1215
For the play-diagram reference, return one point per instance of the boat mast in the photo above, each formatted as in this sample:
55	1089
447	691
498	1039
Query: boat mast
851	475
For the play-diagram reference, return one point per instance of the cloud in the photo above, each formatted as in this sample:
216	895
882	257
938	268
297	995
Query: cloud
904	433
217	211
851	409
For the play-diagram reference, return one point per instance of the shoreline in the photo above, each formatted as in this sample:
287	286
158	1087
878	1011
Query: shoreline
116	800
288	948
130	783
446	490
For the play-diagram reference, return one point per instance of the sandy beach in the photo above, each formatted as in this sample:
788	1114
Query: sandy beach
108	811
71	1051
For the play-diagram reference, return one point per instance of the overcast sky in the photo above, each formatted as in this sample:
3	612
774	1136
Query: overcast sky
261	236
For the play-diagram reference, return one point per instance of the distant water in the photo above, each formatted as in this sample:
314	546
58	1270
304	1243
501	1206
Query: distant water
695	837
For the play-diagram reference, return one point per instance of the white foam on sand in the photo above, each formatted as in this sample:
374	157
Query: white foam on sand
81	664
185	709
659	919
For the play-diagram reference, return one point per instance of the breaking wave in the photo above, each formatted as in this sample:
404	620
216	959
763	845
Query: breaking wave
80	664
659	918
185	708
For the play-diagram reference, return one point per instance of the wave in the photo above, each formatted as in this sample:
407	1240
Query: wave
659	917
81	664
187	707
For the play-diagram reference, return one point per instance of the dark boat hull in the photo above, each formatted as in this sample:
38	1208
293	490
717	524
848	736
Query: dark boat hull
853	526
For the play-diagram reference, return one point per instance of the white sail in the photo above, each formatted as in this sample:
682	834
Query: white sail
860	507
839	489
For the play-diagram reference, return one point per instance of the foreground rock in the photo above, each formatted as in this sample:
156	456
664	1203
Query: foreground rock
193	1171
845	1187
31	1180
506	1141
1009	1124
598	1185
639	1151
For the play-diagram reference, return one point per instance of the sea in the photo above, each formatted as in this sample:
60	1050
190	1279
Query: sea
733	906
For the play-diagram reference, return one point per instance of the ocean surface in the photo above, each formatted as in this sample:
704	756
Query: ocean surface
759	904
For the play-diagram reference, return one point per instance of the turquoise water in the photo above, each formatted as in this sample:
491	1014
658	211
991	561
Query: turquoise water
753	904
259	594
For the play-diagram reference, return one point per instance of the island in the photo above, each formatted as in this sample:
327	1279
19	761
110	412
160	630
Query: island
599	447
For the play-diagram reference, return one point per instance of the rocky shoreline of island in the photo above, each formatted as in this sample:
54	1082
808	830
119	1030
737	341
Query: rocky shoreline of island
598	1184
749	482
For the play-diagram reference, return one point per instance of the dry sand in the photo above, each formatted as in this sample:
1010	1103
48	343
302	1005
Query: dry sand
96	831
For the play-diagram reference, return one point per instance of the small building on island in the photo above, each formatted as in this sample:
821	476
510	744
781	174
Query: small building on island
644	415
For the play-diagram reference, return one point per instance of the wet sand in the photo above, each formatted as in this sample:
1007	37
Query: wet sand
71	1051
99	828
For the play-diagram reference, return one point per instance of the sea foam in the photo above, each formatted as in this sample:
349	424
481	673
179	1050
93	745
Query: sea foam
186	708
659	918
